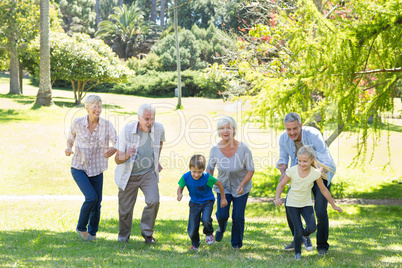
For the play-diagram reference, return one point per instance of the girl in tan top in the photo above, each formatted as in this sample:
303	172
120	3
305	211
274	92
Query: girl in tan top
298	201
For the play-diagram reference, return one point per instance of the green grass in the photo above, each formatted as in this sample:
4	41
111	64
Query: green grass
41	232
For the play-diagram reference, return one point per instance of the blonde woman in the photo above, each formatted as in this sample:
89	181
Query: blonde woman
91	136
234	162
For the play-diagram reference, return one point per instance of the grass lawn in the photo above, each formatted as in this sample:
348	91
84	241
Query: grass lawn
40	232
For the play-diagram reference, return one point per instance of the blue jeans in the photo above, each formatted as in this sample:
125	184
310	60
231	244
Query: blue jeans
200	213
91	187
299	231
320	207
222	215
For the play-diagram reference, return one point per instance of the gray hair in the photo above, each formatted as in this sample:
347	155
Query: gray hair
290	117
91	99
224	121
146	107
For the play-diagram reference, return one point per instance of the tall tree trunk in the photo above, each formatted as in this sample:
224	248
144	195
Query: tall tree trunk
97	13
177	56
318	4
21	74
153	11
44	96
162	14
14	69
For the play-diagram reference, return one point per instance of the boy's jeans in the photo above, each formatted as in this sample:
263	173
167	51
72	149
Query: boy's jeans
200	213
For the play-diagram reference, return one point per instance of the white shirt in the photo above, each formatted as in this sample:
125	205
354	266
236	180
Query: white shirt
127	139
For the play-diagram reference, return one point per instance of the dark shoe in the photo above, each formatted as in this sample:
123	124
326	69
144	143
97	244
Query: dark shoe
297	257
149	239
307	243
290	247
218	235
322	252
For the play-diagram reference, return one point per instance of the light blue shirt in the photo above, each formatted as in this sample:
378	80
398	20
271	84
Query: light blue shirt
309	136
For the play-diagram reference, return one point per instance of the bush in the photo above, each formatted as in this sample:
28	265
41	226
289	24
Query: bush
162	84
141	66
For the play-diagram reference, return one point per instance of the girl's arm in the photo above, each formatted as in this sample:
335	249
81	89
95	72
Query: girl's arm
224	202
179	193
278	202
327	194
247	178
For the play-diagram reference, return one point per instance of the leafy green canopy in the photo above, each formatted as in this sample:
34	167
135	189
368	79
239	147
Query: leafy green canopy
127	31
83	61
78	16
335	67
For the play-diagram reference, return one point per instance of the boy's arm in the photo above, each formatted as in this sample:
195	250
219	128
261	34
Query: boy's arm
327	194
224	203
179	193
279	189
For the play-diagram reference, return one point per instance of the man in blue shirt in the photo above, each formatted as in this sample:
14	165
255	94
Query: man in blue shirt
290	141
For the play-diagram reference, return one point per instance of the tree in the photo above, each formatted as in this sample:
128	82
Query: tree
78	16
337	67
83	61
44	96
128	33
189	52
20	24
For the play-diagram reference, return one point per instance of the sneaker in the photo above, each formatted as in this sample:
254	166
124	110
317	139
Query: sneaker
290	247
193	248
307	243
322	252
209	239
297	257
148	239
218	235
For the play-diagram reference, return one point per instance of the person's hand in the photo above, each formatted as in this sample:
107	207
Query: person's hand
337	208
130	152
109	151
179	197
240	190
224	202
160	167
68	152
278	202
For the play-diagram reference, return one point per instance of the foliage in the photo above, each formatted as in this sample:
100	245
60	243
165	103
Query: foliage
79	59
106	8
198	48
78	16
335	69
204	13
127	31
141	66
163	84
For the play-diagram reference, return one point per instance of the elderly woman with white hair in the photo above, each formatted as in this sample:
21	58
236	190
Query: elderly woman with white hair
234	162
91	135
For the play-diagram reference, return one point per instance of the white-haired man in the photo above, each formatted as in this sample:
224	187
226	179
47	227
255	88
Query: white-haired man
138	149
290	141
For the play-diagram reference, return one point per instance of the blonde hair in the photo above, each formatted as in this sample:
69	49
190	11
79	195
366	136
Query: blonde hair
310	153
91	99
197	161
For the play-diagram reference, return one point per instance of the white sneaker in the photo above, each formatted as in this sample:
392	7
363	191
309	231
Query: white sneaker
209	239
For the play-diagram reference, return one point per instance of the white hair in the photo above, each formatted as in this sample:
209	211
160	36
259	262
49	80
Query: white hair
146	107
290	117
91	99
224	121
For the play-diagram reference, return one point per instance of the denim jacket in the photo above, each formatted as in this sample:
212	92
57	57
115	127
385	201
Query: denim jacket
309	136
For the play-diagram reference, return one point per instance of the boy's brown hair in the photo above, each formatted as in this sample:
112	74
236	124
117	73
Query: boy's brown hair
197	161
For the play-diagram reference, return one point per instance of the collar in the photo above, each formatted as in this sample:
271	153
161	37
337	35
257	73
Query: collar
85	122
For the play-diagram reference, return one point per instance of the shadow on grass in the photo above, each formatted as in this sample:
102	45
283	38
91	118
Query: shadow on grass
8	115
366	239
